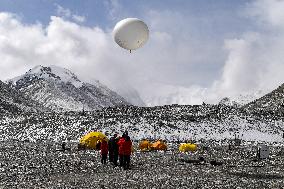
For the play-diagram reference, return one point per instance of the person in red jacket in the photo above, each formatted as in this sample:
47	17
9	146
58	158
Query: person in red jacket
127	147
104	151
120	150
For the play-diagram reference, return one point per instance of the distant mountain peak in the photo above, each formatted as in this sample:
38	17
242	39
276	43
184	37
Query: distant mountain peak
61	90
52	72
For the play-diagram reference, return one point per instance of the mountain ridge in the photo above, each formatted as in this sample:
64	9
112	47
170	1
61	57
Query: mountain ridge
271	104
61	90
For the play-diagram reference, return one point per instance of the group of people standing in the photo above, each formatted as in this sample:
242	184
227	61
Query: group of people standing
118	148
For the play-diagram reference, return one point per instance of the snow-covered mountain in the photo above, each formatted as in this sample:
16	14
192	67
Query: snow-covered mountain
13	101
61	90
271	104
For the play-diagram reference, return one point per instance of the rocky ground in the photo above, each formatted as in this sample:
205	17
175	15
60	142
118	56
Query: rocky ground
43	165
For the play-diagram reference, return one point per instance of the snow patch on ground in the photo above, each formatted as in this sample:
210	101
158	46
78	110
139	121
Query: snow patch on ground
74	128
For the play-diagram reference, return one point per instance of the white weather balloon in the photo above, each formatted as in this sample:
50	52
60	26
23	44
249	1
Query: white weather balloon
131	33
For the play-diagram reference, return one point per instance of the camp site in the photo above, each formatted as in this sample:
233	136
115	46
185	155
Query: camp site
38	159
146	94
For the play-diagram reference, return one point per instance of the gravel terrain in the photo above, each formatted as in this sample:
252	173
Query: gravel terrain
43	165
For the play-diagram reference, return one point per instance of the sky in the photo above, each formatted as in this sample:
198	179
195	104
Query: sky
198	51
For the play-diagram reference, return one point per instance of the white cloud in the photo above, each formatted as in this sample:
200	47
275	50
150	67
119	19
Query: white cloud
92	53
67	14
175	66
78	18
63	11
267	12
237	72
114	9
255	60
61	43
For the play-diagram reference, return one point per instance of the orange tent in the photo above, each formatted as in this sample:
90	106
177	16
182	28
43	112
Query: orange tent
144	145
159	145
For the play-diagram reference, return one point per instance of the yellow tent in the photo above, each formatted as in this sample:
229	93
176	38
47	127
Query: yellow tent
187	147
144	145
91	140
159	145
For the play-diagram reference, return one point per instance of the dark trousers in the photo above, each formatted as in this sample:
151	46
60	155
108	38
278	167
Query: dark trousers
110	156
115	158
126	161
104	158
121	160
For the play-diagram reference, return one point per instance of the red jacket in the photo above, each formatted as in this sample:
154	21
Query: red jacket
127	146
104	147
120	145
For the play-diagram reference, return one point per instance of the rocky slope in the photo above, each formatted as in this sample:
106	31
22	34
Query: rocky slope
270	106
171	123
13	101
